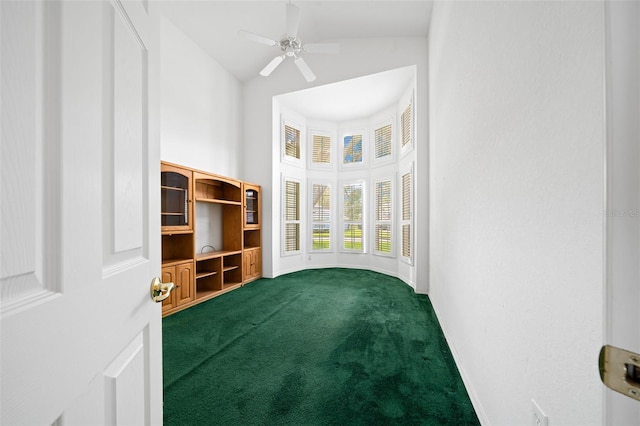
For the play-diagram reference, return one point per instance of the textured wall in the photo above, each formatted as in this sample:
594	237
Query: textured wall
517	138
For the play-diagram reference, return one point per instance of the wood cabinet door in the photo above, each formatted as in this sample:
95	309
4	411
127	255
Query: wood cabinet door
184	283
252	264
246	264
257	263
169	276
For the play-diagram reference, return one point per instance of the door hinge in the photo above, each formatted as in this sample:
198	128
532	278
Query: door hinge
620	371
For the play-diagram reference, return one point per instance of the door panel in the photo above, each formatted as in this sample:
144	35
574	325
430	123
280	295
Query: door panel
125	101
81	338
26	278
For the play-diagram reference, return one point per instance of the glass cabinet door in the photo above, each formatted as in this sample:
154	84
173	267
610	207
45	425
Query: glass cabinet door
251	207
174	199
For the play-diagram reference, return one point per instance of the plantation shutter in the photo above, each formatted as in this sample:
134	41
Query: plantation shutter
406	215
321	203
383	206
352	217
352	152
321	149
291	142
321	217
383	141
406	124
292	216
383	200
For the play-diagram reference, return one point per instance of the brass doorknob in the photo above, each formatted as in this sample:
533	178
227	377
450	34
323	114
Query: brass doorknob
160	290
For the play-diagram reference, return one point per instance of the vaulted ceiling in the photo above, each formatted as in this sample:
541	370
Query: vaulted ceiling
214	25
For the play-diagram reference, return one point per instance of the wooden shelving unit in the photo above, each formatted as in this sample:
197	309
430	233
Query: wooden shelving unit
202	276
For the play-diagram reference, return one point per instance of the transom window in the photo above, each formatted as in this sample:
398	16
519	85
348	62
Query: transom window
291	142
352	149
382	137
406	123
321	149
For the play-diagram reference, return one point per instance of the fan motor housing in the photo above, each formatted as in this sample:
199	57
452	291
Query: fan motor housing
290	46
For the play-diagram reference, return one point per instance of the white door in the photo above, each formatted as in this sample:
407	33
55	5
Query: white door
623	195
81	338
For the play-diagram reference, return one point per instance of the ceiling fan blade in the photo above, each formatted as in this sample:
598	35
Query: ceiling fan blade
272	65
305	70
257	38
293	19
330	48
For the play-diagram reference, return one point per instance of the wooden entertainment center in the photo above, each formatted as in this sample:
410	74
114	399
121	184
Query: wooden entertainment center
205	263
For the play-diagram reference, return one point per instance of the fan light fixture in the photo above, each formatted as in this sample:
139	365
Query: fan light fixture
291	46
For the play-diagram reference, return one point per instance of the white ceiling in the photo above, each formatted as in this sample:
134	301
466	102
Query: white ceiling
343	101
214	25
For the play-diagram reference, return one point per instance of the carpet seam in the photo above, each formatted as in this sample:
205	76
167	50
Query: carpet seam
232	342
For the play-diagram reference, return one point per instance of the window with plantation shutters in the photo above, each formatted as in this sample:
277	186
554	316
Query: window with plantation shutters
352	219
291	142
352	149
320	149
291	193
382	138
407	214
382	221
320	217
406	123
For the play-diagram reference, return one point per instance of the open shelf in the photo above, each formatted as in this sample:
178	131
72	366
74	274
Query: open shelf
230	285
205	274
206	294
177	246
211	188
215	254
213	200
175	261
252	238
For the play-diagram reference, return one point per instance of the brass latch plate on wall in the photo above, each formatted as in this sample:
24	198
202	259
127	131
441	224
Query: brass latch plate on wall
620	371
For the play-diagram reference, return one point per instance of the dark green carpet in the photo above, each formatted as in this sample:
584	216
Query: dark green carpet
316	347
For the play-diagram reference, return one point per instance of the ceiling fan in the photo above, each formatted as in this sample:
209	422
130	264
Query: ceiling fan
291	46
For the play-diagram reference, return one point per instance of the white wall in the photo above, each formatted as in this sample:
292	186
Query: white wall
517	134
201	108
261	131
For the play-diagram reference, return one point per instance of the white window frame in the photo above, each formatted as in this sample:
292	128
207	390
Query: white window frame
286	221
330	222
402	220
332	148
387	159
390	222
412	126
287	158
361	164
343	222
